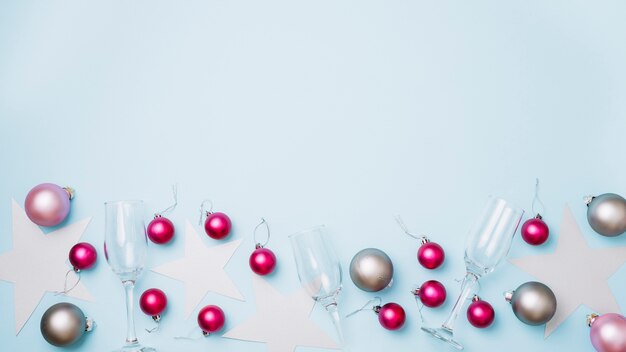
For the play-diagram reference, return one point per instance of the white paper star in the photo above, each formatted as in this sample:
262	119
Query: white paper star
38	263
202	269
576	273
281	322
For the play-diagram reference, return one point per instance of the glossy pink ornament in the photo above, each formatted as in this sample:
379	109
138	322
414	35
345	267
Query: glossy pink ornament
391	316
153	302
83	256
432	293
262	261
160	230
535	231
480	313
217	225
430	255
48	204
608	332
211	319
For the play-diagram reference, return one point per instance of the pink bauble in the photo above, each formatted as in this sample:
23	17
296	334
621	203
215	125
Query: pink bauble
262	261
211	319
47	204
83	256
480	313
535	231
430	255
608	333
391	316
160	230
153	302
432	293
217	225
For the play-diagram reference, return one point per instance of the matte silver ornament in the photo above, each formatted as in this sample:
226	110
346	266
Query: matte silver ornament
533	303
371	270
606	214
63	324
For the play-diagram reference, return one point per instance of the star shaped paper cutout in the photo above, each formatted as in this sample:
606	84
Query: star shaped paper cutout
202	269
38	263
281	322
576	273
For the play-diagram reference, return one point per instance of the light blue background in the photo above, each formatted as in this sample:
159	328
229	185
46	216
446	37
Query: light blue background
309	112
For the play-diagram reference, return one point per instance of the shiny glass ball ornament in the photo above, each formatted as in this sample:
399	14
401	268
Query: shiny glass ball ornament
64	324
48	204
533	303
391	316
371	270
432	293
83	256
480	313
262	261
430	254
606	214
160	230
211	319
217	225
153	302
535	231
608	332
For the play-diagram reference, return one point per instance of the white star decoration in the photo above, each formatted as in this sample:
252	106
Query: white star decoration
38	263
202	269
281	322
576	273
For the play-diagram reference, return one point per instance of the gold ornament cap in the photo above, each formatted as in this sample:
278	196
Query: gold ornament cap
70	192
591	318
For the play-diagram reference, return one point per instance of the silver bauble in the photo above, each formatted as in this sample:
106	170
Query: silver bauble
63	324
371	270
606	214
533	303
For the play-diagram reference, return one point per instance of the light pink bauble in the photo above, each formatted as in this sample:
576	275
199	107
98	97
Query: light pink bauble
608	333
47	204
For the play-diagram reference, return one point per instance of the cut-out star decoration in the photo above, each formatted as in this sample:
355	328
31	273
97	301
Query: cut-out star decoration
38	263
281	322
576	273
201	269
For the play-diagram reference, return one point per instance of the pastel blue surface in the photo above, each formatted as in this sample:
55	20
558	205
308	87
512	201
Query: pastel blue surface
342	113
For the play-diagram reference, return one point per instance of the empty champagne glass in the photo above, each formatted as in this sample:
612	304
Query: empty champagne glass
319	270
487	245
125	248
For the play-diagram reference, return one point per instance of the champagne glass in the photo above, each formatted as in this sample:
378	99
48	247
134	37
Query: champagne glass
125	248
488	244
319	270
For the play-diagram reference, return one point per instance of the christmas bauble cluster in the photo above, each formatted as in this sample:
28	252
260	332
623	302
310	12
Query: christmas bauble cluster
370	269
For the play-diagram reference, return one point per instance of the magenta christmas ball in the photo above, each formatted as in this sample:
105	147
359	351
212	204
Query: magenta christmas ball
217	225
160	230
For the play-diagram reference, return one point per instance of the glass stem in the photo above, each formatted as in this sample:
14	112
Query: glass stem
131	336
334	316
467	290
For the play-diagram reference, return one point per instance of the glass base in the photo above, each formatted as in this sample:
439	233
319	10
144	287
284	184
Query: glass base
443	334
136	348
